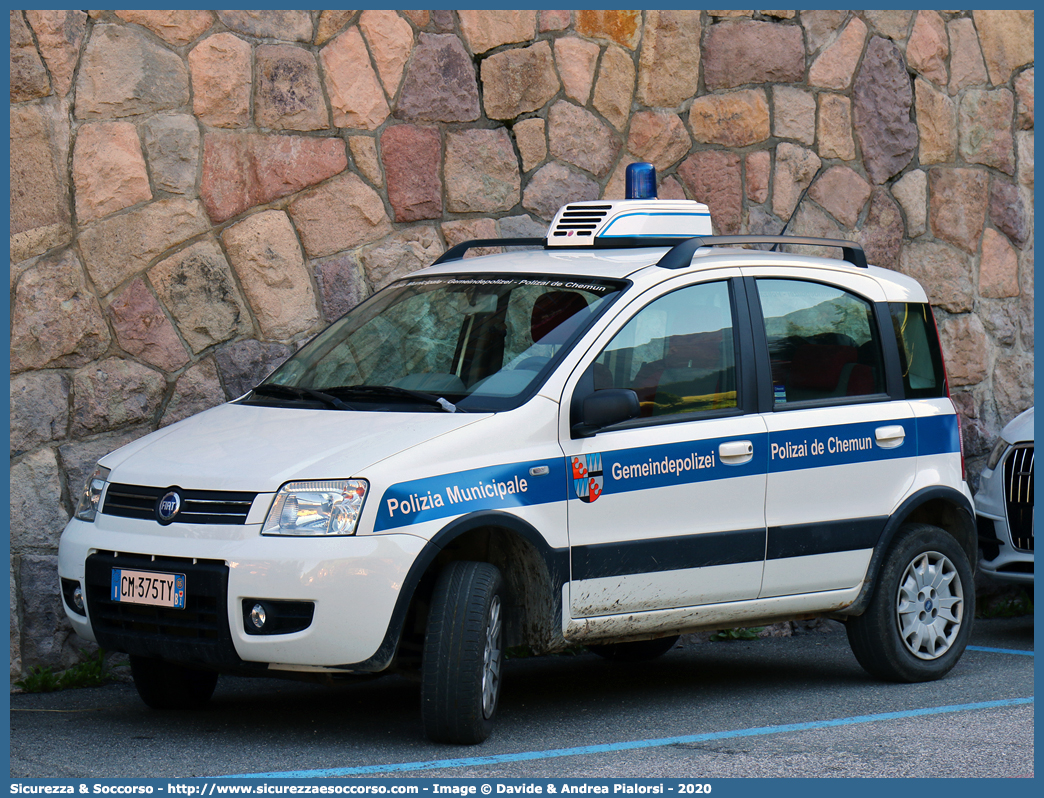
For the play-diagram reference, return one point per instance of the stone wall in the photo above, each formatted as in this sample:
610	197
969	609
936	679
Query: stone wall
195	193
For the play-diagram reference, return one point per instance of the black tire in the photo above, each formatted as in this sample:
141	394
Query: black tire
164	685
636	650
463	654
920	615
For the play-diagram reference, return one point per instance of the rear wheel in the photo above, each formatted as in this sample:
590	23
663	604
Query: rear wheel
463	653
164	685
920	616
636	650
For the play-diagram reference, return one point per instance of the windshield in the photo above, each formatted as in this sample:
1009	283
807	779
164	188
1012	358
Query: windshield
482	342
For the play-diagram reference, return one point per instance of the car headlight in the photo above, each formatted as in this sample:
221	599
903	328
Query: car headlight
326	507
998	452
90	496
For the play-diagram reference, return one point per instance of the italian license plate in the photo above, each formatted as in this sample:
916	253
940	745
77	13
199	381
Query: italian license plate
148	587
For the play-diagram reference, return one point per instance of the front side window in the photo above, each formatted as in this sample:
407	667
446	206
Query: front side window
677	353
823	342
475	342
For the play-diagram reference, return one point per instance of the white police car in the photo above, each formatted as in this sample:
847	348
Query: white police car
634	431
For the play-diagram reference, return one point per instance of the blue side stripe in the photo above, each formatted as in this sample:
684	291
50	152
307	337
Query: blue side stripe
633	745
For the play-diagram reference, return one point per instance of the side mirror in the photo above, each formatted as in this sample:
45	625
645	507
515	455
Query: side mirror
610	406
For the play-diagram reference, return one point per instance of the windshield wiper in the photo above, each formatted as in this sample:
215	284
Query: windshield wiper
294	392
394	391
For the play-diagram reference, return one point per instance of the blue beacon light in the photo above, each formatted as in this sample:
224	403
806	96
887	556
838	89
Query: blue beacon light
641	181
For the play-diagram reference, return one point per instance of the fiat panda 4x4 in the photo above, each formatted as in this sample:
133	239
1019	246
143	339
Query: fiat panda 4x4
625	431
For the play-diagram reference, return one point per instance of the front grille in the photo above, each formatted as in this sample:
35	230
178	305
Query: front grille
199	633
197	507
1018	485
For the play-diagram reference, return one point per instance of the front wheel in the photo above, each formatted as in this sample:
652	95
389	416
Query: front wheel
920	615
164	685
463	653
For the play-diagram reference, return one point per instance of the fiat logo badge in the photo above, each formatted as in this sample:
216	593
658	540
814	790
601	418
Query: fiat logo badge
168	506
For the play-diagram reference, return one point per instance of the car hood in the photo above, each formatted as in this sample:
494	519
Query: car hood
250	448
1020	428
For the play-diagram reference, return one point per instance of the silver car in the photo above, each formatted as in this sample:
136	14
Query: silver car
1004	504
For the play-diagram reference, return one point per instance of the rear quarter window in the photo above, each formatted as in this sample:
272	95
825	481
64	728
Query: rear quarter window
920	356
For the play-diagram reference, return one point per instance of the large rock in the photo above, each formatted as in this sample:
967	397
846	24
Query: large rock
143	330
552	186
738	53
1013	379
125	73
292	26
56	320
115	393
794	114
197	288
469	230
391	41
331	23
412	157
576	136
614	90
1024	92
364	156
221	80
440	83
842	193
244	364
883	101
622	27
1024	147
79	457
576	59
966	65
658	137
481	172
835	66
1007	41
984	120
341	283
241	170
669	61
108	170
287	94
998	267
119	247
47	636
172	147
531	139
929	47
486	29
39	190
912	192
518	80
174	27
758	166
37	513
893	24
341	214
39	409
882	235
356	96
59	35
733	119
944	271
821	27
1008	211
196	390
399	254
795	168
965	349
834	128
267	259
29	79
714	177
958	202
936	125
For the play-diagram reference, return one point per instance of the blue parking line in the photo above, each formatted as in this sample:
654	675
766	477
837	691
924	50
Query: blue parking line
1000	650
525	756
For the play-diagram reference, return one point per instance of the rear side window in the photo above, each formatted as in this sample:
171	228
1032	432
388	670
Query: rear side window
823	342
920	357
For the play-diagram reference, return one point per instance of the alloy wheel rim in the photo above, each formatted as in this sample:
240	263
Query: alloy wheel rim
930	606
491	658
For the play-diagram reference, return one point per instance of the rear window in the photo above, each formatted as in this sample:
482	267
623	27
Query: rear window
919	354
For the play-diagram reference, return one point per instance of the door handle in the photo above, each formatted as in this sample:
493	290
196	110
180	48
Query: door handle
890	437
736	452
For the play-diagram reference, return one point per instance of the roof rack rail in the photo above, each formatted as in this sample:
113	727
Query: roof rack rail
680	256
457	252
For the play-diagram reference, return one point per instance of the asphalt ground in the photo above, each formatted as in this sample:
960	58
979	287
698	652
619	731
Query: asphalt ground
777	707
